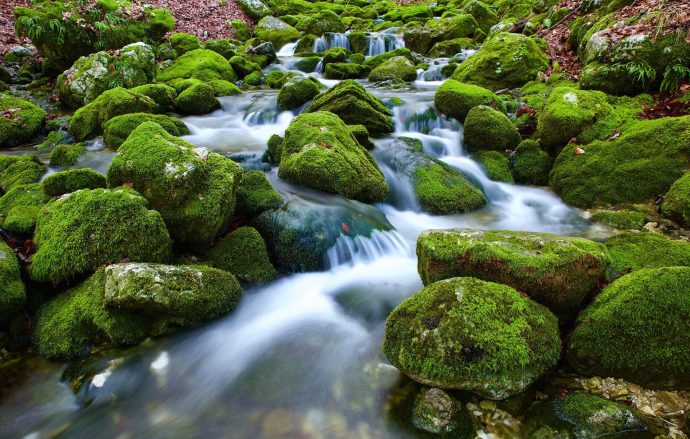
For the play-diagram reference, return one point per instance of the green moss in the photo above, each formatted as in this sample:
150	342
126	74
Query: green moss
256	194
319	151
620	219
88	121
450	48
639	165
163	95
556	271
21	220
355	106
505	60
397	68
240	30
583	415
26	169
297	91
482	13
243	65
254	79
276	31
197	99
193	188
633	251
530	164
224	88
377	60
12	292
362	136
464	333
567	113
625	112
65	182
224	46
275	79
307	64
488	129
440	190
636	329
256	9
345	71
20	121
85	229
676	203
66	155
117	129
18	208
202	64
183	42
243	253
336	55
321	22
496	164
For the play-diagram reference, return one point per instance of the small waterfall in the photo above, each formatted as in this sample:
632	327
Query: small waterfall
433	74
401	194
330	40
382	42
287	50
319	67
360	249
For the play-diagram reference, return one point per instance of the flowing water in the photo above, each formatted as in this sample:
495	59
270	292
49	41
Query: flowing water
301	356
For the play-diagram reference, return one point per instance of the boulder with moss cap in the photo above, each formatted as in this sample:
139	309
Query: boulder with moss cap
243	253
488	129
20	122
456	99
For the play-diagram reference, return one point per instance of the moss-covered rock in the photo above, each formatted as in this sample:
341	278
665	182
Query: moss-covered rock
397	68
243	66
633	251
319	151
321	22
193	188
256	194
505	60
162	94
450	48
377	60
131	66
496	165
582	415
620	219
436	412
488	129
256	9
65	182
117	129
556	271
635	167
19	208
197	99
482	13
455	99
355	106
183	42
243	253
297	91
530	164
676	203
80	231
439	188
66	155
20	121
276	31
567	113
25	169
468	334
12	291
64	31
346	71
636	329
202	64
240	30
89	120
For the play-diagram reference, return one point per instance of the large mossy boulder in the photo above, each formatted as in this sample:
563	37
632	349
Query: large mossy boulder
319	151
355	106
256	9
505	60
243	253
20	170
78	232
556	271
632	251
64	31
637	329
496	165
484	15
132	66
89	121
20	121
455	99
297	91
162	94
300	233
193	188
676	203
397	68
12	291
276	31
439	188
319	23
530	164
581	415
256	194
71	180
19	208
567	113
66	155
117	129
489	129
642	163
183	42
204	65
196	100
468	334
124	303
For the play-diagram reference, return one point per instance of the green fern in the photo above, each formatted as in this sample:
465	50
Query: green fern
640	71
674	75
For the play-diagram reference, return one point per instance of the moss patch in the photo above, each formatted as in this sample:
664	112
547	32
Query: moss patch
243	253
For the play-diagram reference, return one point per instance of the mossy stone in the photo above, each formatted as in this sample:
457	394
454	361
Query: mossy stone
197	99
297	91
632	251
256	194
276	31
66	155
488	129
202	64
455	99
397	68
12	290
243	253
530	164
620	219
25	169
345	71
496	165
117	129
19	208
65	182
183	42
676	203
20	122
162	94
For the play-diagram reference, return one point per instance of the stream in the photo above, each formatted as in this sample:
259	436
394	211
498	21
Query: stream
301	356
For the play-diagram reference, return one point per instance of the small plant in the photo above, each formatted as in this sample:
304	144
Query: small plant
674	75
640	71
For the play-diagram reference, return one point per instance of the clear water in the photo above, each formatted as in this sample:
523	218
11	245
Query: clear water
301	356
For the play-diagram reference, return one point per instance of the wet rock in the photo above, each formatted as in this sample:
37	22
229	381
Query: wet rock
433	411
243	253
118	129
20	121
397	68
65	182
297	91
276	31
488	129
256	194
201	64
456	99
